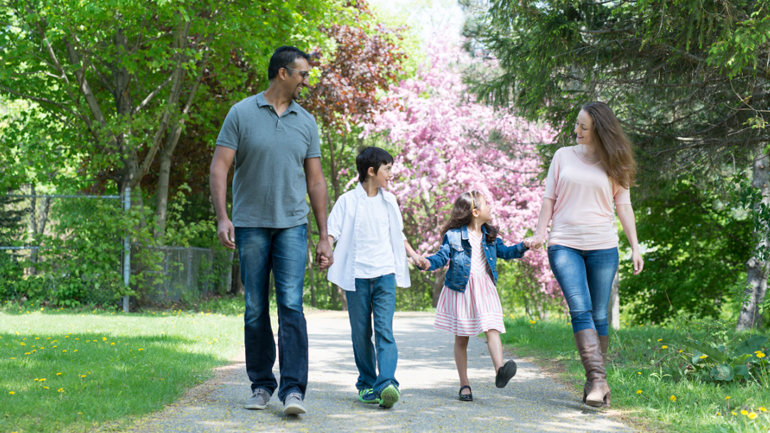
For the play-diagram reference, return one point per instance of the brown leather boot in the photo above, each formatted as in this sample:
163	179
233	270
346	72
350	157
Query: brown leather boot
597	392
604	344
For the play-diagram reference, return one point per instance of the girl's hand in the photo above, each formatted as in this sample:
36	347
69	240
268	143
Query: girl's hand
638	262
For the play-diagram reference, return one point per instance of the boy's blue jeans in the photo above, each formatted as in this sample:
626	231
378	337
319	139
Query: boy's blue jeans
374	296
284	252
585	277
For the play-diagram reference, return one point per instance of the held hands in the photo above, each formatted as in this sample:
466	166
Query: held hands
534	242
421	262
324	255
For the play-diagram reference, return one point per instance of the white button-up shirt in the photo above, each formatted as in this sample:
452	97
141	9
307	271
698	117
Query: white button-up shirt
343	225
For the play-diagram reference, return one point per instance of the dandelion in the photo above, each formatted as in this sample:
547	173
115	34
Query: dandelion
718	414
744	412
734	414
704	356
659	340
104	338
752	415
639	372
75	350
141	350
532	322
664	347
760	355
22	343
672	398
60	389
639	391
112	344
11	393
45	387
727	398
680	350
762	409
64	351
58	374
42	380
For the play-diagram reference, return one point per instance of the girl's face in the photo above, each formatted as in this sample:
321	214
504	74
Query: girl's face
482	210
584	128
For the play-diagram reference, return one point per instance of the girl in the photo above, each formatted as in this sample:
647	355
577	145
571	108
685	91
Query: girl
469	304
583	182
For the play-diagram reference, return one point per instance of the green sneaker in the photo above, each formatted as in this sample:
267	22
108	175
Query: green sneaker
367	396
389	396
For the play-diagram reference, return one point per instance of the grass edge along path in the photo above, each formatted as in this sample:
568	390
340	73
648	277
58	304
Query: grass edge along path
67	371
643	391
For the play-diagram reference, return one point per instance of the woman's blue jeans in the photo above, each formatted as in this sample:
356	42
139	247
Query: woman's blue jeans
585	278
284	252
374	296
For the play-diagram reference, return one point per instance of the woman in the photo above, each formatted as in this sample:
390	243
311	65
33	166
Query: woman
583	181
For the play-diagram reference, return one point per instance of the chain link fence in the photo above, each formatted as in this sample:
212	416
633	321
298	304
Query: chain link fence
184	274
69	250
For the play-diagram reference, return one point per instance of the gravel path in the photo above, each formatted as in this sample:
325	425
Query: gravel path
532	402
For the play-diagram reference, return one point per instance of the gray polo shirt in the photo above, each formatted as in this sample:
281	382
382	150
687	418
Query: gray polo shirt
269	185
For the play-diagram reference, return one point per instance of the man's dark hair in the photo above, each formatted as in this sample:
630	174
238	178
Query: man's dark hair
371	157
284	57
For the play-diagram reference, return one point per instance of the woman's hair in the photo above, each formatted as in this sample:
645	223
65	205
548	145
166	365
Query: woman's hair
462	212
612	144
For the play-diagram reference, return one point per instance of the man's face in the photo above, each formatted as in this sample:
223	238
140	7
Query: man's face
295	81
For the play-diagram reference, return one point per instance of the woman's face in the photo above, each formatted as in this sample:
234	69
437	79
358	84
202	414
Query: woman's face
584	129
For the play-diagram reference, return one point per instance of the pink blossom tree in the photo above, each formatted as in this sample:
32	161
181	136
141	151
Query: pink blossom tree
448	144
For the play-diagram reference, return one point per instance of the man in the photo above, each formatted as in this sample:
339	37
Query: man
276	149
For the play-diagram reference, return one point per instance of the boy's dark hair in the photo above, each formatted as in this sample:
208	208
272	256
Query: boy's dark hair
371	157
284	57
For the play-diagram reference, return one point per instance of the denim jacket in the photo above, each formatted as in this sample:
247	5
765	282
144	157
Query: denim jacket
456	249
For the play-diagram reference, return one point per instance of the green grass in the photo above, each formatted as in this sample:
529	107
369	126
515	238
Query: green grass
672	398
74	371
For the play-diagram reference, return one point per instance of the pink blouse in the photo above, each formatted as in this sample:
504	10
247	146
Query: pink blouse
583	213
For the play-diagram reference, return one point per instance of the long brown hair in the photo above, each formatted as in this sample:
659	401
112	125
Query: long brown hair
462	212
612	144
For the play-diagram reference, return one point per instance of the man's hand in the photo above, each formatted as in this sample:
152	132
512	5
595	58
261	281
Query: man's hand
324	255
226	233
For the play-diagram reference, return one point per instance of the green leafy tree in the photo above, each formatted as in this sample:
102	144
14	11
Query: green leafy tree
688	79
697	248
123	76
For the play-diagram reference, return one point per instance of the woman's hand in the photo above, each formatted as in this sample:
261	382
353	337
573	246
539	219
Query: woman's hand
638	262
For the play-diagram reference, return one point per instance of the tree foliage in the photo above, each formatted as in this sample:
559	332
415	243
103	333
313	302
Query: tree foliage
697	248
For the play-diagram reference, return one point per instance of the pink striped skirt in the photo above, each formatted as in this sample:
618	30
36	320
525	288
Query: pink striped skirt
472	312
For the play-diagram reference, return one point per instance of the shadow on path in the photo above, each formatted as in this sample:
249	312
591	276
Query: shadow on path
532	402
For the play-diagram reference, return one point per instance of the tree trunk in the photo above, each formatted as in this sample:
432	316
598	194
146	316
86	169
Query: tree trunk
437	285
613	312
756	268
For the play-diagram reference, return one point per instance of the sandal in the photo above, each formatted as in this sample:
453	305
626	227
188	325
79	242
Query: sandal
466	397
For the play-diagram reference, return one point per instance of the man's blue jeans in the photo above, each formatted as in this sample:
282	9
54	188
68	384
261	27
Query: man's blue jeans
585	278
374	296
284	252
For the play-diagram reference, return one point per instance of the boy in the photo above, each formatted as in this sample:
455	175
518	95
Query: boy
369	261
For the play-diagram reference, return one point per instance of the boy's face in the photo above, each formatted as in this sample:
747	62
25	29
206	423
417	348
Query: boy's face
383	176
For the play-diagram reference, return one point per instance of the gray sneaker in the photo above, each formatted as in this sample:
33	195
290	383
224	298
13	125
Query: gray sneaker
293	404
258	400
